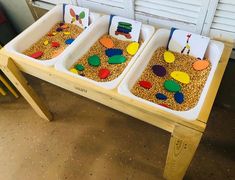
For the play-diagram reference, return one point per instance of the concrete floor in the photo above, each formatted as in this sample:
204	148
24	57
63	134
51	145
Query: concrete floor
90	141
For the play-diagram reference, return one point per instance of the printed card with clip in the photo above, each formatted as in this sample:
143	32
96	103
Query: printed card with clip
188	43
76	15
124	29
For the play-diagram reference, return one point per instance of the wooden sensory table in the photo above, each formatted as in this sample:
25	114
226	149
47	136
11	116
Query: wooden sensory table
185	135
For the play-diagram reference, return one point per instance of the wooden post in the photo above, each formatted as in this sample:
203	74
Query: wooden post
3	80
2	92
15	76
183	144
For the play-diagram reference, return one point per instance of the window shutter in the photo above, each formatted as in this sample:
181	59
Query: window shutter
183	14
220	22
117	7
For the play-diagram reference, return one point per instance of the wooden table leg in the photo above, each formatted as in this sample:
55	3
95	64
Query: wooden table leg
3	80
15	76
183	144
2	92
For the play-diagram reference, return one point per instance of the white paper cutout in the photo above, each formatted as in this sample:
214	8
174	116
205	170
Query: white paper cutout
125	29
188	43
76	15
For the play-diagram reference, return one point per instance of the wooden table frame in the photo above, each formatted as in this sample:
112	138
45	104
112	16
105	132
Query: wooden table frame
185	135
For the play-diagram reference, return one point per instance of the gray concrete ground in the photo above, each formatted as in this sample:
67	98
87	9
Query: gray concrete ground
90	141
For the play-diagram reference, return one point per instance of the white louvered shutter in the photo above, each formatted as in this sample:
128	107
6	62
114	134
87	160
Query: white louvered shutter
220	22
118	7
184	14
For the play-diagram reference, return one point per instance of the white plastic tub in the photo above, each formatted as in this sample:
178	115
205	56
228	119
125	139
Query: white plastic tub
99	29
160	39
37	30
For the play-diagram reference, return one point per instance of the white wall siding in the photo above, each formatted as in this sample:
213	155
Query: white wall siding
49	4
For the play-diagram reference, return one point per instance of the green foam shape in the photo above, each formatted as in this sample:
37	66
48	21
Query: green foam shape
117	59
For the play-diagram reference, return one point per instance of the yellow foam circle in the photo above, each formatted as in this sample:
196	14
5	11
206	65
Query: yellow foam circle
46	42
169	57
181	76
132	48
73	70
67	33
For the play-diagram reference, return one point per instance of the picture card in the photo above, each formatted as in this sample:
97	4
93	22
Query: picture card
188	43
124	29
76	15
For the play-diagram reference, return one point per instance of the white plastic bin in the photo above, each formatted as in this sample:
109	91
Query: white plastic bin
160	39
99	29
38	29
